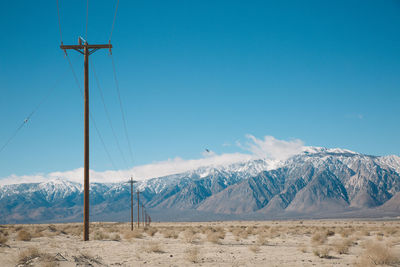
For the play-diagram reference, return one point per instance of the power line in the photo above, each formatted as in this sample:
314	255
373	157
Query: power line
108	115
113	24
121	107
90	114
87	17
59	21
26	120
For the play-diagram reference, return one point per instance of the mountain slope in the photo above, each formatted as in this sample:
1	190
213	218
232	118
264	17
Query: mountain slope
317	182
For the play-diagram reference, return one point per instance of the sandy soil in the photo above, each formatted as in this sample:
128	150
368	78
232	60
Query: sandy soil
269	243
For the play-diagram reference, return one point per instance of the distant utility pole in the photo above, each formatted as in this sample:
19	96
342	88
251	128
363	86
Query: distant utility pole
132	182
86	49
143	214
138	210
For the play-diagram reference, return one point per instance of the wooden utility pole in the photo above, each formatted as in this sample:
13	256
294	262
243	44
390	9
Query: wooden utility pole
132	182
138	212
86	50
143	214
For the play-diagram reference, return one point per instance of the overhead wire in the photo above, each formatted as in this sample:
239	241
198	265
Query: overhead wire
87	17
90	114
116	82
59	20
113	24
26	120
107	113
121	107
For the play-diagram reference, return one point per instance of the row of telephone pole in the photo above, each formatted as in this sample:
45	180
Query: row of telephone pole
146	219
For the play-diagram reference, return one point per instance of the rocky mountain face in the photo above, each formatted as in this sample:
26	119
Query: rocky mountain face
318	182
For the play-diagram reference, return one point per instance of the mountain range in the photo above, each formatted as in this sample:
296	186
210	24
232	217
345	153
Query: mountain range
317	183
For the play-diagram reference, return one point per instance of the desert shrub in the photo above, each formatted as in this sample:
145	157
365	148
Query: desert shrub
153	247
262	239
192	254
99	235
322	252
364	232
215	235
250	230
342	246
390	231
52	228
115	237
151	231
236	233
3	239
136	233
74	230
378	253
24	236
319	238
169	233
254	248
346	232
330	233
189	235
27	255
303	248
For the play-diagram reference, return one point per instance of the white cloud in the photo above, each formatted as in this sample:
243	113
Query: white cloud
272	148
269	148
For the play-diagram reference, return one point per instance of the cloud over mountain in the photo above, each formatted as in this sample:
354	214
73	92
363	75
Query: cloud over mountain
269	148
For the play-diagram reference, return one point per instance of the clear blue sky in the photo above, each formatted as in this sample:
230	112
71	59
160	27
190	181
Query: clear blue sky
196	74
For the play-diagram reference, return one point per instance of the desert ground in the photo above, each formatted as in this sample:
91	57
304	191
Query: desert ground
232	243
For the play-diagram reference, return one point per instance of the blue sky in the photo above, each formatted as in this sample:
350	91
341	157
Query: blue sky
197	74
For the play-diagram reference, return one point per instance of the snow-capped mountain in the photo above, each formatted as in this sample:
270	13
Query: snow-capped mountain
318	182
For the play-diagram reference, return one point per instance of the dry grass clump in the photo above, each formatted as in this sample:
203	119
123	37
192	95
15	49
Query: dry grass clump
170	233
346	232
28	256
75	230
215	235
378	253
192	254
240	233
254	248
343	246
153	247
151	231
23	235
303	248
190	235
115	237
322	252
99	235
390	231
262	239
330	233
3	239
3	236
52	228
136	233
319	238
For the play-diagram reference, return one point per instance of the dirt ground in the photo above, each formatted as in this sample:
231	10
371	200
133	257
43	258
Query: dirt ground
232	243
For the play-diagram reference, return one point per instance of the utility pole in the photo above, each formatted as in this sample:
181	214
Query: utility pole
138	212
132	182
86	49
143	214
